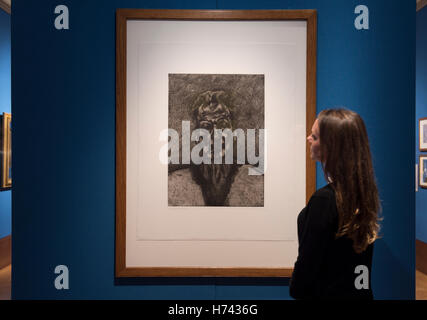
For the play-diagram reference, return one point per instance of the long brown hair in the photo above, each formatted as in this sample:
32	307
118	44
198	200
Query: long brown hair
346	160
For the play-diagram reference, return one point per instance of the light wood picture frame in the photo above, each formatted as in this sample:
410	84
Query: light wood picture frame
123	16
6	151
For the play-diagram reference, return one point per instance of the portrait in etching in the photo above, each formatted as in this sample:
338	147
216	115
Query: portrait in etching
216	140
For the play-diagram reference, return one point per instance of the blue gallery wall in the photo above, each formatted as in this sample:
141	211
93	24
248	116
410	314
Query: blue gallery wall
421	112
64	119
5	106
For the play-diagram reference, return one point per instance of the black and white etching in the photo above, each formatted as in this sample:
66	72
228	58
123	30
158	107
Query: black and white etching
210	168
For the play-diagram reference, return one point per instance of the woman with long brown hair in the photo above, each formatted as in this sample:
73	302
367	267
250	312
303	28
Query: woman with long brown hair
337	228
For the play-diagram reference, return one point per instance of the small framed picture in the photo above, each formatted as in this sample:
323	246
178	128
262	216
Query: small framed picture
423	171
423	134
6	151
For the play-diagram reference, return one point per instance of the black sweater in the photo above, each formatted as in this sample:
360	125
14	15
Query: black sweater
325	267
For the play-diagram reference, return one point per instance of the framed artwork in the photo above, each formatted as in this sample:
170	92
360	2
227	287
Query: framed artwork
423	171
212	165
423	134
6	151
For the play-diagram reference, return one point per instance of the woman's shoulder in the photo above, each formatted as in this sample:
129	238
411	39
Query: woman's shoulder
325	192
322	206
320	211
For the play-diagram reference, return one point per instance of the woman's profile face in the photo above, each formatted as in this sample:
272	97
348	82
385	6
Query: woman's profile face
314	141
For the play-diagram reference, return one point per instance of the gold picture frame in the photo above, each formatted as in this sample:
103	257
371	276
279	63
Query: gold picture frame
422	126
6	151
423	171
